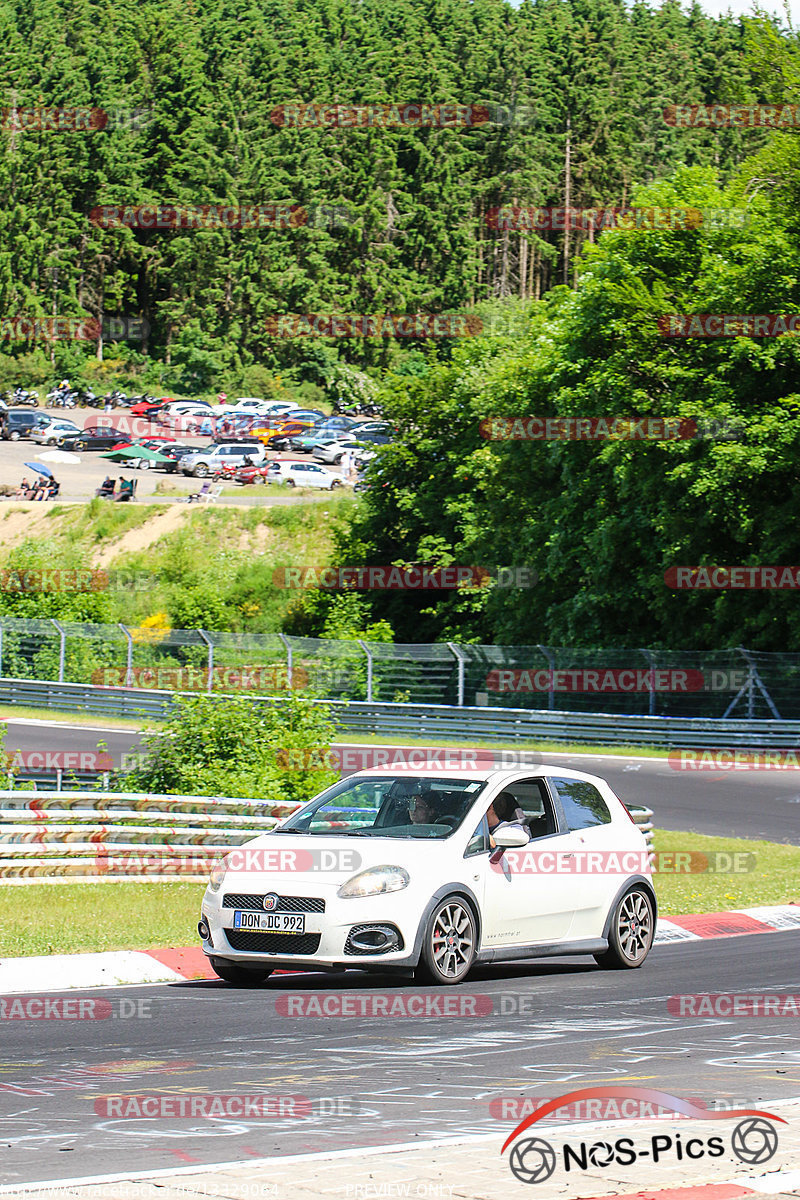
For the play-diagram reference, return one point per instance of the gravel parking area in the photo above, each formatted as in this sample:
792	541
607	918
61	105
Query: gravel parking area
79	481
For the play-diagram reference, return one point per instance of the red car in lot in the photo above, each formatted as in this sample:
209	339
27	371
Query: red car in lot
145	408
252	474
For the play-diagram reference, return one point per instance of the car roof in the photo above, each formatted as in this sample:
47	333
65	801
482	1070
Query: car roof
491	774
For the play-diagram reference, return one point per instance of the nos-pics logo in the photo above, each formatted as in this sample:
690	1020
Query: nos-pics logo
533	1160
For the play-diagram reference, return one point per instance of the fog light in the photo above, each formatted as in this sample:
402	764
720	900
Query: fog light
204	931
373	939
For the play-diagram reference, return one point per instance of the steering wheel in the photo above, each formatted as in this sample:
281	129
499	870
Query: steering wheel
451	821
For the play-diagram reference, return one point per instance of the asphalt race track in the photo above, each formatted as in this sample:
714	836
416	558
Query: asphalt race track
378	1080
743	803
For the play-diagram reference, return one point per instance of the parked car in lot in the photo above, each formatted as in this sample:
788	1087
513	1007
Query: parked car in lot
55	431
308	442
220	455
148	408
174	451
248	475
333	451
302	474
101	437
423	877
16	423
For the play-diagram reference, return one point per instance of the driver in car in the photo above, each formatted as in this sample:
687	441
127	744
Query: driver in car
504	813
421	809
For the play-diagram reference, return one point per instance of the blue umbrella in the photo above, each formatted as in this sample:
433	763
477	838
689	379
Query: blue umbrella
40	469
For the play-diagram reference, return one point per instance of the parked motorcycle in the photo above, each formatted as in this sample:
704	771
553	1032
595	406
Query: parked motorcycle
60	398
18	397
226	473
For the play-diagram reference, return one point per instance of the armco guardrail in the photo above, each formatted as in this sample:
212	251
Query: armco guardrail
126	835
440	721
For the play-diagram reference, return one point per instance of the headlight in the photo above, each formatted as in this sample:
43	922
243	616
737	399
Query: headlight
374	882
217	875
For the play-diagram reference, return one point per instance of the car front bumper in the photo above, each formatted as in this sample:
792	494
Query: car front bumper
334	928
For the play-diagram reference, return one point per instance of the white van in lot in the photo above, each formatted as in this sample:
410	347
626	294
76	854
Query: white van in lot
224	454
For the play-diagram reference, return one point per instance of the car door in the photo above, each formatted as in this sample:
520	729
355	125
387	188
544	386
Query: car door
526	897
600	842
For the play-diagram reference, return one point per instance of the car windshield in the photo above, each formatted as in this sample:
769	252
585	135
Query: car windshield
397	806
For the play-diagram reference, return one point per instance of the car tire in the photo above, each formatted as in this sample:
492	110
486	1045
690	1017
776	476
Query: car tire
336	484
290	483
14	435
200	471
143	465
232	972
52	441
631	933
449	944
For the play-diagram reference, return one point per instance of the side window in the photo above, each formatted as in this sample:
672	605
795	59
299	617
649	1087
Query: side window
583	805
479	842
532	797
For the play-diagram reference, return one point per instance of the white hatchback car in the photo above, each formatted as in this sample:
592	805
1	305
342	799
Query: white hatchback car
391	871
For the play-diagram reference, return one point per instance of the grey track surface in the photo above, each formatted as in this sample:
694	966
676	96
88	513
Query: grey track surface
412	1078
744	803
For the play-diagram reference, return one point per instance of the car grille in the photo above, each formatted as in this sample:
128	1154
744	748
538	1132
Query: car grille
273	943
285	903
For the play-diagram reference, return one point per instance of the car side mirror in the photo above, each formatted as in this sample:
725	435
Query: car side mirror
510	838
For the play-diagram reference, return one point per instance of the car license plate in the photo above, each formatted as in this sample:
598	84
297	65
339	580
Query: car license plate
270	922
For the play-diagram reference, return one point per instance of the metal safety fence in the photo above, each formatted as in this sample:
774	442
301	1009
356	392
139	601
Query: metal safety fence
105	836
718	684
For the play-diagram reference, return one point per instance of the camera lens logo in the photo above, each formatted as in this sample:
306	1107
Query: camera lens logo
754	1140
533	1160
601	1154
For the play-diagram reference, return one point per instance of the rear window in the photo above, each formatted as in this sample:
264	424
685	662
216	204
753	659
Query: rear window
582	803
